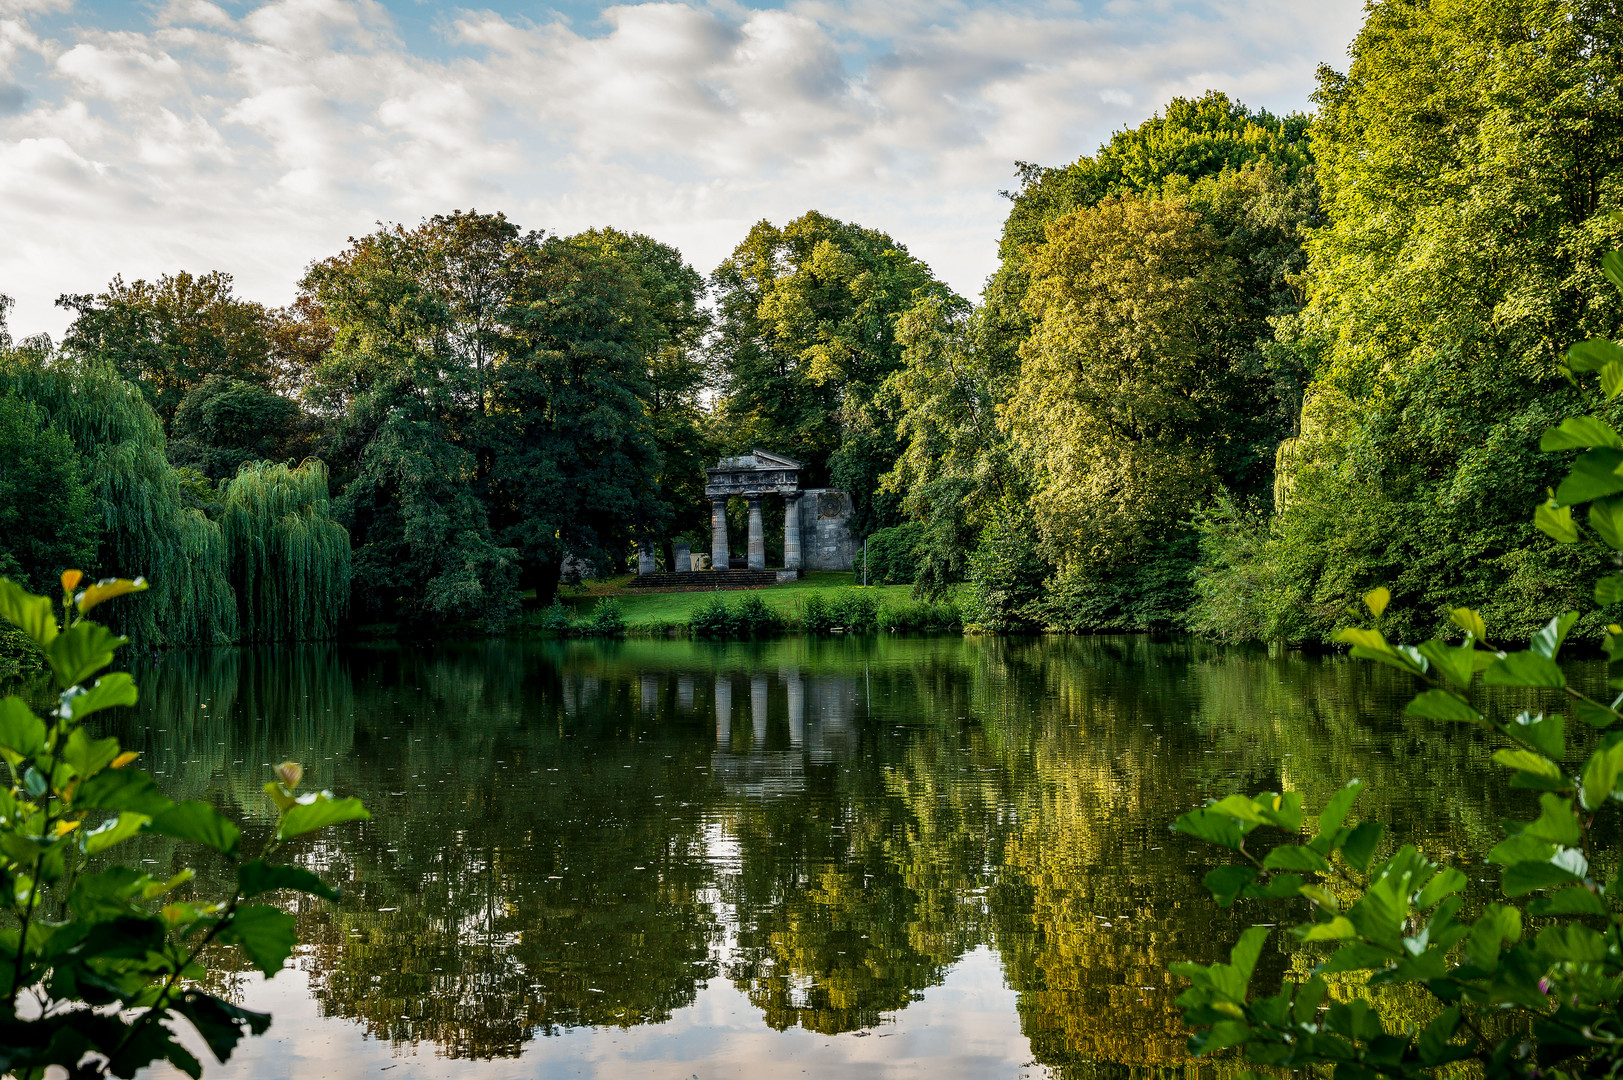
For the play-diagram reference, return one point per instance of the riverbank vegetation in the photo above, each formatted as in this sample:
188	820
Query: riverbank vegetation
1233	370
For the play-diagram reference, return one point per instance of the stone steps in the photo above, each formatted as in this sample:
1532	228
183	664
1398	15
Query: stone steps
705	579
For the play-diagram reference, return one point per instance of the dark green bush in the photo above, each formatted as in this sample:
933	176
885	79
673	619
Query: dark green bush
921	615
893	555
815	616
855	611
608	619
713	619
1006	573
1151	592
556	618
753	618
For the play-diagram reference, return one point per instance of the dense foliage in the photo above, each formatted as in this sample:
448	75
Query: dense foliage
103	961
1529	989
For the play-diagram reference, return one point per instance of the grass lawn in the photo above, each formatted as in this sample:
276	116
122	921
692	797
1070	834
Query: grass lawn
647	608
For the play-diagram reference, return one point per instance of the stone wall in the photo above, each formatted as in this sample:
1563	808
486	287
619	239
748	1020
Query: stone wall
826	542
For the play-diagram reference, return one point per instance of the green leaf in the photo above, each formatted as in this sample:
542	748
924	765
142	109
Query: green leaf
221	1024
198	822
114	831
1293	857
1446	882
1609	590
80	651
1558	823
1521	848
1361	844
1356	956
259	876
1593	476
1456	663
1433	1043
1582	432
1596	716
1335	811
22	734
1441	705
1611	380
1556	522
88	756
1600	775
1218	829
1527	761
121	789
114	688
1574	900
1525	877
319	810
1547	642
29	613
1606	518
1470	622
266	934
1548	733
1279	887
1377	599
1611	264
1337	929
1524	669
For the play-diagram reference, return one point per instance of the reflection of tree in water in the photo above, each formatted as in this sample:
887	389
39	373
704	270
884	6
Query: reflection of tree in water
572	835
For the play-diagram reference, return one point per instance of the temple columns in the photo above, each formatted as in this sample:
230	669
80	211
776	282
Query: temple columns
645	558
757	548
718	534
683	554
791	532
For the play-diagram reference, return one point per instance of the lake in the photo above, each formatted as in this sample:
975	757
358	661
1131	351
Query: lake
887	857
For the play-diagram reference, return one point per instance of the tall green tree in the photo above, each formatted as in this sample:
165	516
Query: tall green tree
168	336
408	383
575	467
224	423
806	336
670	338
1472	166
48	514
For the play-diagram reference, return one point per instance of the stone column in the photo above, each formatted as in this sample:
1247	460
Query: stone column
758	714
718	534
645	558
724	711
757	548
797	710
683	556
791	532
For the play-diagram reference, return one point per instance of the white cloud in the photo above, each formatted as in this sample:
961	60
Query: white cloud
257	143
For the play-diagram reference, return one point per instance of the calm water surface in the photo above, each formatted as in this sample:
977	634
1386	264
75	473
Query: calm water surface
899	857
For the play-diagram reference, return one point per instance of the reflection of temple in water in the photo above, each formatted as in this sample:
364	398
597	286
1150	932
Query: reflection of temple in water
769	728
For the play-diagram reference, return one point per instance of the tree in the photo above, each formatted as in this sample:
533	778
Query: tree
170	335
671	341
806	336
424	548
47	510
224	423
290	562
574	462
1471	160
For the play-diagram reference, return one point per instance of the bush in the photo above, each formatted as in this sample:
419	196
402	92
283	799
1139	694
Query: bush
713	619
753	618
608	619
921	615
855	611
1006	573
893	555
815	615
556	619
103	962
1525	988
1152	591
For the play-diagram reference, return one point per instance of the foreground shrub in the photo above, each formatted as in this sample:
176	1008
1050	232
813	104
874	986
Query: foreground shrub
608	619
712	619
102	963
1532	987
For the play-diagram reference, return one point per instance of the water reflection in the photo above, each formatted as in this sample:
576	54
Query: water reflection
593	838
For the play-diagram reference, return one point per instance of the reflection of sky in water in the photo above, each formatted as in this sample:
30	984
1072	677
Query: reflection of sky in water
967	1027
905	857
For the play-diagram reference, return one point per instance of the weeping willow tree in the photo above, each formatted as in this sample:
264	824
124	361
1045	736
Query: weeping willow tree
147	530
289	560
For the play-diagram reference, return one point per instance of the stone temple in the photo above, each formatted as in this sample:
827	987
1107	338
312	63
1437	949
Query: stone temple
816	521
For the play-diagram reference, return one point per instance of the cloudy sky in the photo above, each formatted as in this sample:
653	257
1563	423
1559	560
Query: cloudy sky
252	137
